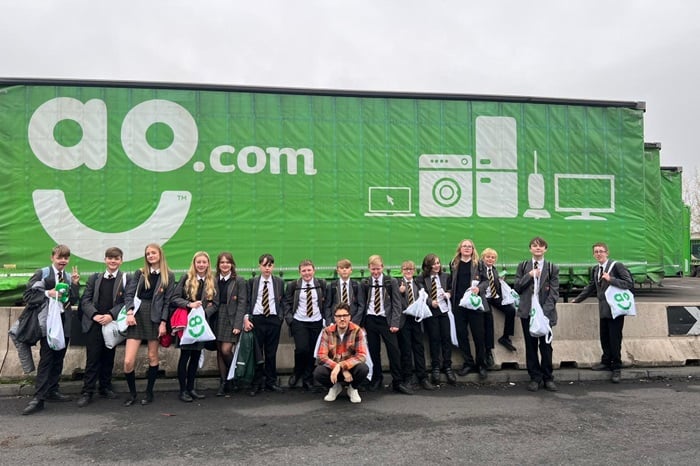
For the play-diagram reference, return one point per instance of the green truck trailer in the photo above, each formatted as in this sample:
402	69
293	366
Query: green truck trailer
327	175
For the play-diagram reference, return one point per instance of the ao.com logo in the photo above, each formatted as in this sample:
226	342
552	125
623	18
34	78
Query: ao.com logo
91	151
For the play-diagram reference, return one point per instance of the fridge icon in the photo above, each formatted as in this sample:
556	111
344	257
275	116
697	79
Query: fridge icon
496	167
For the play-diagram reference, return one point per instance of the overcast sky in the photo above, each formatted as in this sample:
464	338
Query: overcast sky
632	50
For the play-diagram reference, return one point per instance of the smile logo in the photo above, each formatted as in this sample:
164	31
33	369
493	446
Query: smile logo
54	213
65	134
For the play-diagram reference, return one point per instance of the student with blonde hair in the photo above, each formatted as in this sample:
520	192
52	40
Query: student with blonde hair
195	289
467	274
153	285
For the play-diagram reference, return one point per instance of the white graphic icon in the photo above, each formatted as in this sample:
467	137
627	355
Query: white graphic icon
496	167
445	185
584	194
64	228
385	201
535	194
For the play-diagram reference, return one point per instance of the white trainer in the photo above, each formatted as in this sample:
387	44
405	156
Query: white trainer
353	394
333	392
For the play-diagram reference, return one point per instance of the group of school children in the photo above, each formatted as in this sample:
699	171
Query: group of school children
151	296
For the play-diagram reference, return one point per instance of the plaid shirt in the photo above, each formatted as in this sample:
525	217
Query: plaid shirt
349	352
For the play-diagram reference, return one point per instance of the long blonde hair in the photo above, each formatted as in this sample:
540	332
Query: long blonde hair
162	266
458	254
193	283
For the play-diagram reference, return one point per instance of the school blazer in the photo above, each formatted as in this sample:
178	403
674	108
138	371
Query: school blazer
235	309
34	296
425	283
619	277
181	300
416	286
391	296
278	288
291	298
478	273
91	297
160	304
548	293
355	296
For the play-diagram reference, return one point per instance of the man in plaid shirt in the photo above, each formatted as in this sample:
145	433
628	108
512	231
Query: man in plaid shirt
342	353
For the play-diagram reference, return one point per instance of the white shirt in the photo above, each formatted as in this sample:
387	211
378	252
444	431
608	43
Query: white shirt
300	312
370	301
258	308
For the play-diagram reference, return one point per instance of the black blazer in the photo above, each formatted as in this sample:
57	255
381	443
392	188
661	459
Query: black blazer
355	296
91	297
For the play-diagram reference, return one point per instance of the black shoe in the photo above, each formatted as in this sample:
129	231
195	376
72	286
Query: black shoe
223	388
551	386
195	395
616	376
33	406
465	370
147	400
184	396
109	394
130	401
483	373
533	386
402	388
254	390
505	341
600	367
490	362
435	376
451	377
375	385
293	380
426	385
84	400
274	388
58	396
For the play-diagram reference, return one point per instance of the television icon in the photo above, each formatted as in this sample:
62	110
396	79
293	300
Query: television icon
389	201
585	195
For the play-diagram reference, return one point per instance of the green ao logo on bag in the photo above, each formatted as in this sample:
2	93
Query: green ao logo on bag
623	300
195	326
475	300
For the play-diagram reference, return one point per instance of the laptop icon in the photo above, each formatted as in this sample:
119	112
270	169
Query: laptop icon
387	201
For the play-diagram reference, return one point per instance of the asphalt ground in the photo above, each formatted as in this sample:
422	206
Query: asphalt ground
646	419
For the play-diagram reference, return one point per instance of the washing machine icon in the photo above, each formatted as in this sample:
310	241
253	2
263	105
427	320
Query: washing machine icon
445	184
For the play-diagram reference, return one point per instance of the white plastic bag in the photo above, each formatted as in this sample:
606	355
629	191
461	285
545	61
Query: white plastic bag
54	326
121	320
510	296
112	335
621	302
419	308
471	301
197	329
539	323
